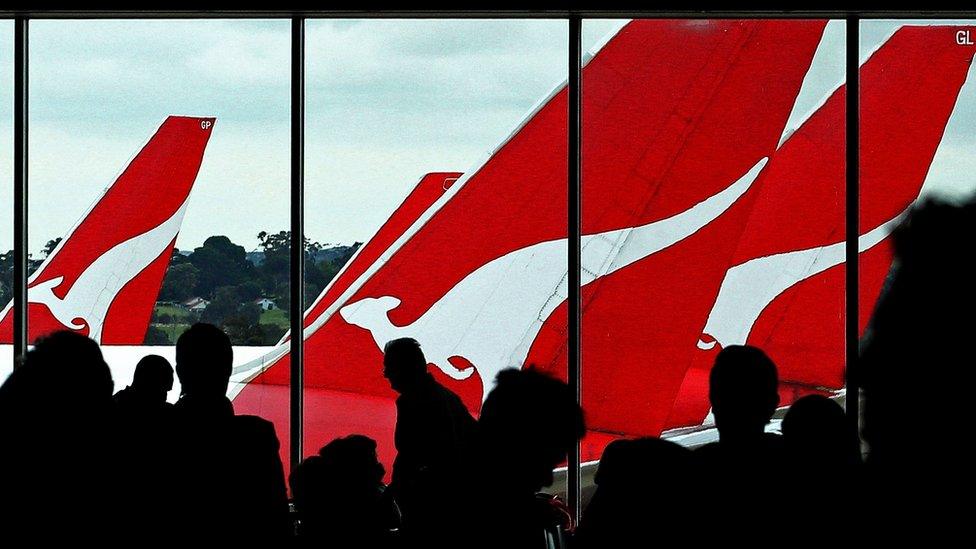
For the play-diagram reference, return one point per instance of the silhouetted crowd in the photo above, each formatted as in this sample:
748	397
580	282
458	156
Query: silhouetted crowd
78	463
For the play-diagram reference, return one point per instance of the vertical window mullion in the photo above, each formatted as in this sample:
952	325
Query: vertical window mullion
852	203
21	30
574	200
297	306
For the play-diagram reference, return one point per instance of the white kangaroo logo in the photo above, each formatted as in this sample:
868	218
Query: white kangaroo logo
748	288
478	319
93	292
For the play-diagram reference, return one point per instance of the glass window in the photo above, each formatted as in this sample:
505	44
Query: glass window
6	189
917	107
159	184
713	182
436	167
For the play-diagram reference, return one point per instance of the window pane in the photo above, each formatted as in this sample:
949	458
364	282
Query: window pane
402	117
917	107
159	154
713	189
6	188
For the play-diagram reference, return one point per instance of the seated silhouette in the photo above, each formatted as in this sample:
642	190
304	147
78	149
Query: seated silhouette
528	424
341	499
57	464
230	483
643	486
432	433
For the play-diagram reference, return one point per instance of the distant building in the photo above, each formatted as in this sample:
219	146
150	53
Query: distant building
265	304
197	304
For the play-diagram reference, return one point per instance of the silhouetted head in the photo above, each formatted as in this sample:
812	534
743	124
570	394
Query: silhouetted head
743	390
204	360
626	462
334	490
816	430
63	374
354	459
528	424
404	363
153	376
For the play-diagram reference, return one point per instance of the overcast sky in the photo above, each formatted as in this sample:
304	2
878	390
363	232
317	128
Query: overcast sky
387	101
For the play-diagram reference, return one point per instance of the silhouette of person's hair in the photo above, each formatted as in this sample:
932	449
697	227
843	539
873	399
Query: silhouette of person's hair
204	360
340	496
354	459
743	391
534	416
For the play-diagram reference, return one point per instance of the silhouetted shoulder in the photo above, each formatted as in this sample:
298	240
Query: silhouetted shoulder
261	429
707	451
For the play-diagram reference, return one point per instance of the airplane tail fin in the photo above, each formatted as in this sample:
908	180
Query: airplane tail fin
113	260
430	187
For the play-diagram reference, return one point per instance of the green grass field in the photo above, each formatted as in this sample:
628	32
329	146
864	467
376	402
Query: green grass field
173	331
179	314
275	316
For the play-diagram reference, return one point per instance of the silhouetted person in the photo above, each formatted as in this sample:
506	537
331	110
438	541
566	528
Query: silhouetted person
144	440
644	486
231	483
744	468
340	496
819	438
56	459
528	424
152	380
917	376
822	449
433	431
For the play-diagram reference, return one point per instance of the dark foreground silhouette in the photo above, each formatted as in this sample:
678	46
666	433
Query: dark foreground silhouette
917	376
77	465
229	483
341	499
528	424
58	460
433	433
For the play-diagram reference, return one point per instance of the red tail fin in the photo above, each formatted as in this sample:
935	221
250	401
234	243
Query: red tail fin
424	194
103	279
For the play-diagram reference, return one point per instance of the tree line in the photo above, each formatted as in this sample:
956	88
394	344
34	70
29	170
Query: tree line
231	280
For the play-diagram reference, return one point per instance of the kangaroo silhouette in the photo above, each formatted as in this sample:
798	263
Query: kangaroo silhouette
748	288
492	316
92	293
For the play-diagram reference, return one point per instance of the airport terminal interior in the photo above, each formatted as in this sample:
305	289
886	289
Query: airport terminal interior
567	279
